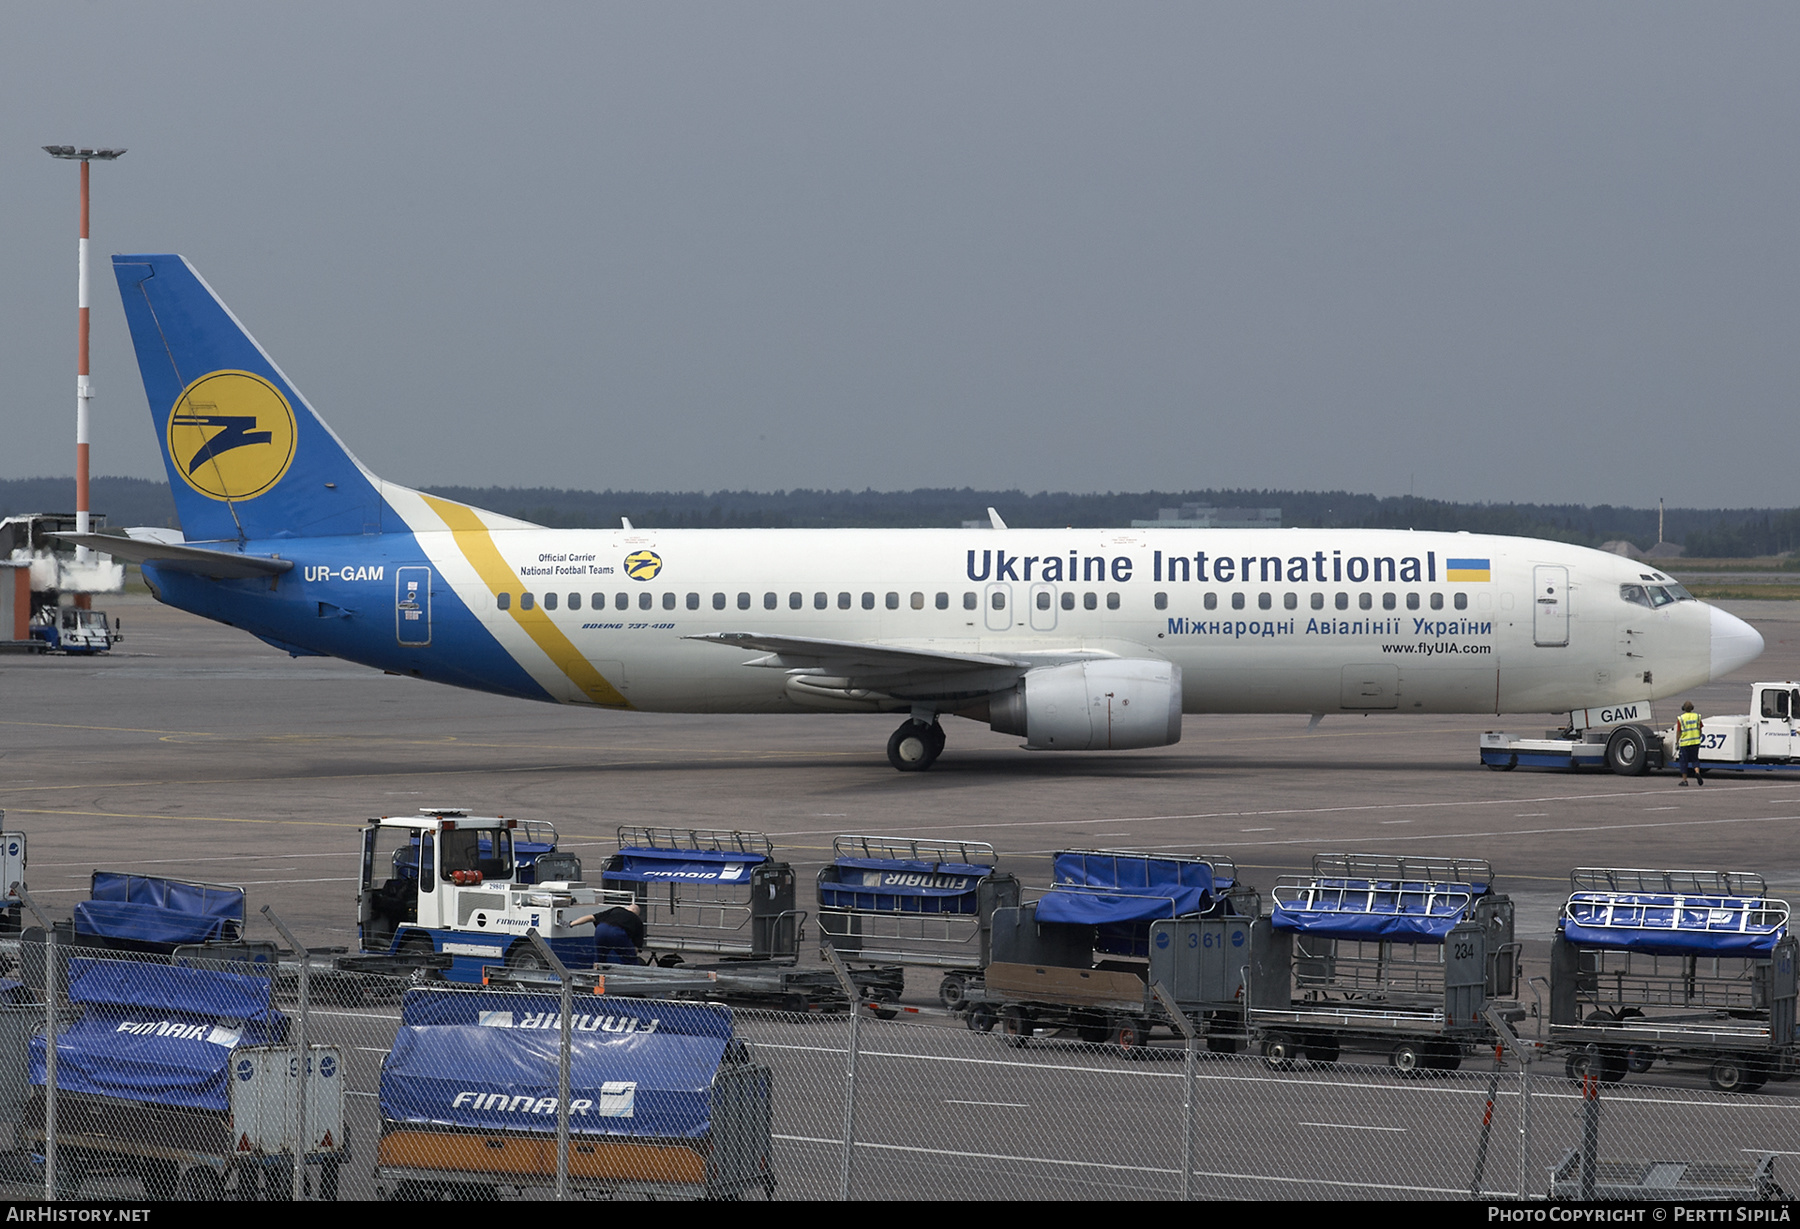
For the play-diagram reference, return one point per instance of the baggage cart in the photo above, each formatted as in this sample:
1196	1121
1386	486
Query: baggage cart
182	1077
1684	966
916	903
664	1100
1401	954
709	890
1081	959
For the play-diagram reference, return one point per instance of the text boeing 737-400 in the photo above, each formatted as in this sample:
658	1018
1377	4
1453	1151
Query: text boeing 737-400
1075	639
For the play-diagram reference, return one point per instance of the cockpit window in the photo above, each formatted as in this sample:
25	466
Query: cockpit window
1660	596
1634	594
1678	593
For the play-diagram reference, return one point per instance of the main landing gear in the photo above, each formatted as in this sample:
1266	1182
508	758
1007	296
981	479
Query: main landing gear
915	746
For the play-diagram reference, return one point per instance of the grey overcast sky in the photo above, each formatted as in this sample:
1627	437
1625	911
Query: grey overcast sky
1502	251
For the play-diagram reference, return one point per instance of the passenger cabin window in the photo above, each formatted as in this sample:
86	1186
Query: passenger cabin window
1318	601
1091	601
1237	601
575	601
502	601
893	601
868	601
1437	601
744	601
1388	601
1264	601
770	601
718	601
1412	601
918	601
1290	601
1162	601
693	601
943	601
843	601
970	601
1043	600
796	601
1343	601
999	600
1211	602
1112	601
668	601
1068	601
526	601
549	604
821	601
1462	601
1364	601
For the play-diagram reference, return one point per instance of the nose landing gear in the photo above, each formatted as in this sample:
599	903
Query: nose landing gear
915	746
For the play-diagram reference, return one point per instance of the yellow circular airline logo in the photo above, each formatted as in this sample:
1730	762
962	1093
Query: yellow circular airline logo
231	435
643	564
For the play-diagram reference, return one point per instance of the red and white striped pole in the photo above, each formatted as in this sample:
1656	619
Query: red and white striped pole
84	388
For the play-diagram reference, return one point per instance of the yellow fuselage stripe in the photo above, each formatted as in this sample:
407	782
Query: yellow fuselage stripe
477	546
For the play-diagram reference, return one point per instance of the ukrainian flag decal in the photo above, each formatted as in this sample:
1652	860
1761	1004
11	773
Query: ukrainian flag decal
1466	569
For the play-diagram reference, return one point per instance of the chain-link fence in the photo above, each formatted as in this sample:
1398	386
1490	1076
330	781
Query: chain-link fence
178	1078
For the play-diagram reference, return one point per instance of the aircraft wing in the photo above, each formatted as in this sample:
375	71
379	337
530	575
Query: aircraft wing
853	657
180	556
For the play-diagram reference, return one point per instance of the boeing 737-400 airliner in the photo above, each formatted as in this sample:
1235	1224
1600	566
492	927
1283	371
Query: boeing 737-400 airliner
1074	639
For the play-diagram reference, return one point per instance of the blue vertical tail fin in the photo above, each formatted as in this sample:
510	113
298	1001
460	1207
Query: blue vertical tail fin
247	456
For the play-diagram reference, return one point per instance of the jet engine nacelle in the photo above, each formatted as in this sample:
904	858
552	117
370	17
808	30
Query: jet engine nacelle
1093	706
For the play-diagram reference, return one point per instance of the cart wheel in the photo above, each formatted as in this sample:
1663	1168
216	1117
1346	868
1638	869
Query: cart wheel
1093	1034
420	945
1613	1066
1443	1055
953	992
1279	1051
1407	1057
1639	1060
161	1180
202	1184
1222	1043
979	1021
1015	1026
1507	767
1728	1074
1129	1037
1323	1049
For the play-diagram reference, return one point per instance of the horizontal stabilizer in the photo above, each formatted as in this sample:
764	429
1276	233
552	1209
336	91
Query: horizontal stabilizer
200	560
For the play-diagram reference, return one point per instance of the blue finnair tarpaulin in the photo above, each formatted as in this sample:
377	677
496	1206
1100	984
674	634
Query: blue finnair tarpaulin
158	1034
1097	888
903	885
638	864
1405	912
145	909
1659	924
602	1014
652	1085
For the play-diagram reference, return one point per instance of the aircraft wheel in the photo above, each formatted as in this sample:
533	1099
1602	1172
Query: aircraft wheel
1628	752
915	747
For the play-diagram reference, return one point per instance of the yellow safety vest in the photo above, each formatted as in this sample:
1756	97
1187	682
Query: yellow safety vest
1687	728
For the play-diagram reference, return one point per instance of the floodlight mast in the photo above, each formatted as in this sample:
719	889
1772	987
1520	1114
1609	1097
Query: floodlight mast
84	388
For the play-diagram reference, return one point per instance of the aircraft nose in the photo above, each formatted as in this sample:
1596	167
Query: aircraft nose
1734	643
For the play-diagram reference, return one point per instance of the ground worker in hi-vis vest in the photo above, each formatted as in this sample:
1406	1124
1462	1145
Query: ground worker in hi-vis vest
1687	742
